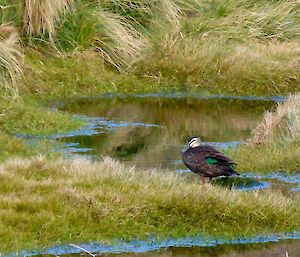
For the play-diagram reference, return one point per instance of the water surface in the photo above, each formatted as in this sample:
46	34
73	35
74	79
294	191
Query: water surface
150	131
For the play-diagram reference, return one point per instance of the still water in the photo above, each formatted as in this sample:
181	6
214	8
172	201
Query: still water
151	131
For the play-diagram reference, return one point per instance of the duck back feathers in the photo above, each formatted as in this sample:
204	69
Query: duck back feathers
208	161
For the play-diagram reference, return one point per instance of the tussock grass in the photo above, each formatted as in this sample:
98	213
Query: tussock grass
244	20
145	12
120	43
274	144
10	60
45	202
214	66
40	17
230	47
283	123
115	39
233	47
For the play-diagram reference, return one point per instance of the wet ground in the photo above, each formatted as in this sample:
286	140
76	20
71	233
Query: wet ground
150	131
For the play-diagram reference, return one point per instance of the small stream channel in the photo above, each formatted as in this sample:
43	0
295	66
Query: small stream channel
150	130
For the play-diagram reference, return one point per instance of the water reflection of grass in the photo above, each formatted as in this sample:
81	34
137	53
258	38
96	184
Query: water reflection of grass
178	119
45	202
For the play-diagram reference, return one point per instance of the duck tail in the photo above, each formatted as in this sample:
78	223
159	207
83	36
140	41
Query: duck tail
235	173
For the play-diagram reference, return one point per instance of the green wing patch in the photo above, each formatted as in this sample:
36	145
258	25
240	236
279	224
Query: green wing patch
210	160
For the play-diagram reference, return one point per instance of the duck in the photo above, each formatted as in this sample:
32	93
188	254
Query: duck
205	160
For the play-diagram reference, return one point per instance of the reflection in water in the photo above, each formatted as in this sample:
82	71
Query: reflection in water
150	131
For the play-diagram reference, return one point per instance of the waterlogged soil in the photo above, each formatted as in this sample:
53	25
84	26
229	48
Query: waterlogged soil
150	131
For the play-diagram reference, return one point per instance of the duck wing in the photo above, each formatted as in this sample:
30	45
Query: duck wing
213	156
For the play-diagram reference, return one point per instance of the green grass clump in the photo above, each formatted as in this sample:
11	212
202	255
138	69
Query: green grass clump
79	74
12	147
111	36
265	158
229	47
243	20
22	118
257	69
144	13
46	202
274	145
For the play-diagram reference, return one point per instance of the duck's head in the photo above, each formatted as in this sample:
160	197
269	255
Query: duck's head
194	142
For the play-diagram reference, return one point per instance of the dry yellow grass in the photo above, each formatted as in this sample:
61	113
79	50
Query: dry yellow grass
10	60
41	16
119	42
274	144
283	123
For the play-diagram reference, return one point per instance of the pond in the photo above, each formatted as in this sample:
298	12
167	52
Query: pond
150	131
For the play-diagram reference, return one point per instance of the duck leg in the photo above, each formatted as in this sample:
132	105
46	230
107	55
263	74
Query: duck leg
202	178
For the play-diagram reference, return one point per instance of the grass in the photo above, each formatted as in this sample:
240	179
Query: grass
227	47
23	118
274	156
10	61
80	201
231	47
274	144
218	67
40	17
13	147
83	48
79	74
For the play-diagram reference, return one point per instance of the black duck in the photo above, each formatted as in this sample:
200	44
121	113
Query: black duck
206	160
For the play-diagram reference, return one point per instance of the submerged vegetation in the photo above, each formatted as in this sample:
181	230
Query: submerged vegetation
54	201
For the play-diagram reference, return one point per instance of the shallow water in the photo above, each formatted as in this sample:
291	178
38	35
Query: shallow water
283	249
188	246
151	131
